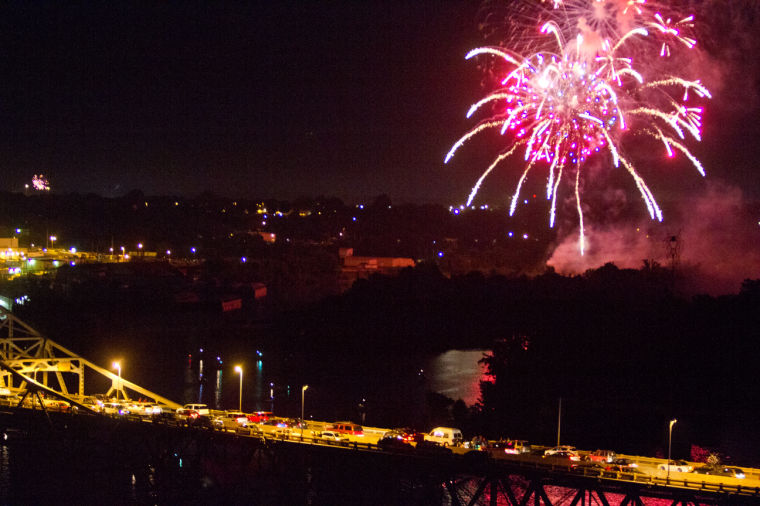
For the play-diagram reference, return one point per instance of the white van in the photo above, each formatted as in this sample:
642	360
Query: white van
445	436
202	409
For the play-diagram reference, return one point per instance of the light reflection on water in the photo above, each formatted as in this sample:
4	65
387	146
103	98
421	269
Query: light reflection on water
457	374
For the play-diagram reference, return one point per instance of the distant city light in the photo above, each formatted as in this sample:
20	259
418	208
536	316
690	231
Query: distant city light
243	259
353	218
525	236
192	250
73	249
440	254
510	234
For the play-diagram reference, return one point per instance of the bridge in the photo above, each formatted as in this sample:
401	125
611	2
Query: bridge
165	460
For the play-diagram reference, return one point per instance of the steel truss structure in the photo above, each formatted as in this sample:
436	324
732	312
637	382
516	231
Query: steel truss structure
31	364
530	488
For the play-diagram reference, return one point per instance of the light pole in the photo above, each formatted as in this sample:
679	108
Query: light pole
117	366
670	437
303	391
239	370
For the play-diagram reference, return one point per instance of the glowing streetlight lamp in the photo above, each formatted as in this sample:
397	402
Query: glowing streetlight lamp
52	241
670	437
117	366
239	370
303	392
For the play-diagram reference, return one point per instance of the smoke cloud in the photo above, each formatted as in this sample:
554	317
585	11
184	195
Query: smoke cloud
713	238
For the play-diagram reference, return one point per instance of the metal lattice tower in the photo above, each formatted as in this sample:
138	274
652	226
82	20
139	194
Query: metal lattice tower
30	361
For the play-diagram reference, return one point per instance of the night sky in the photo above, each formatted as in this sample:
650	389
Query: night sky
343	98
351	99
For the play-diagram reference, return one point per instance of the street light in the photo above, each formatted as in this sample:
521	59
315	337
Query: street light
303	391
117	365
670	436
239	370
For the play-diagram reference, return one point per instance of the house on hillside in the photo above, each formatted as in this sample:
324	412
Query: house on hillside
356	267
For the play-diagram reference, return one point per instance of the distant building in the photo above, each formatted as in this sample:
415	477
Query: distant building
9	243
360	267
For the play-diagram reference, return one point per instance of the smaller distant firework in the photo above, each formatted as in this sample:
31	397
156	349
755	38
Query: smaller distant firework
40	183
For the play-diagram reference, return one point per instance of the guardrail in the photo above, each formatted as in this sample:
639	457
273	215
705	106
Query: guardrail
706	483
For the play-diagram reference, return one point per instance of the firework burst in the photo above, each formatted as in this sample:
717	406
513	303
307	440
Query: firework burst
573	101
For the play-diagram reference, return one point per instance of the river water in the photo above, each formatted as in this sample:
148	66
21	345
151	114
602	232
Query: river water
267	385
457	374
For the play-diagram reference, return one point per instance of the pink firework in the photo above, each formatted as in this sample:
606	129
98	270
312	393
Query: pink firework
569	103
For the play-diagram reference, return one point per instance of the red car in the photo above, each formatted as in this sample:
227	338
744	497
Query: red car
259	416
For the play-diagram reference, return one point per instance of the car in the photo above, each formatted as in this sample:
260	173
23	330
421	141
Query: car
733	472
677	466
601	456
183	414
591	467
332	436
405	434
394	444
92	403
202	409
347	428
260	416
559	449
515	447
561	457
231	420
249	430
622	465
200	421
115	408
280	427
56	405
445	436
152	409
